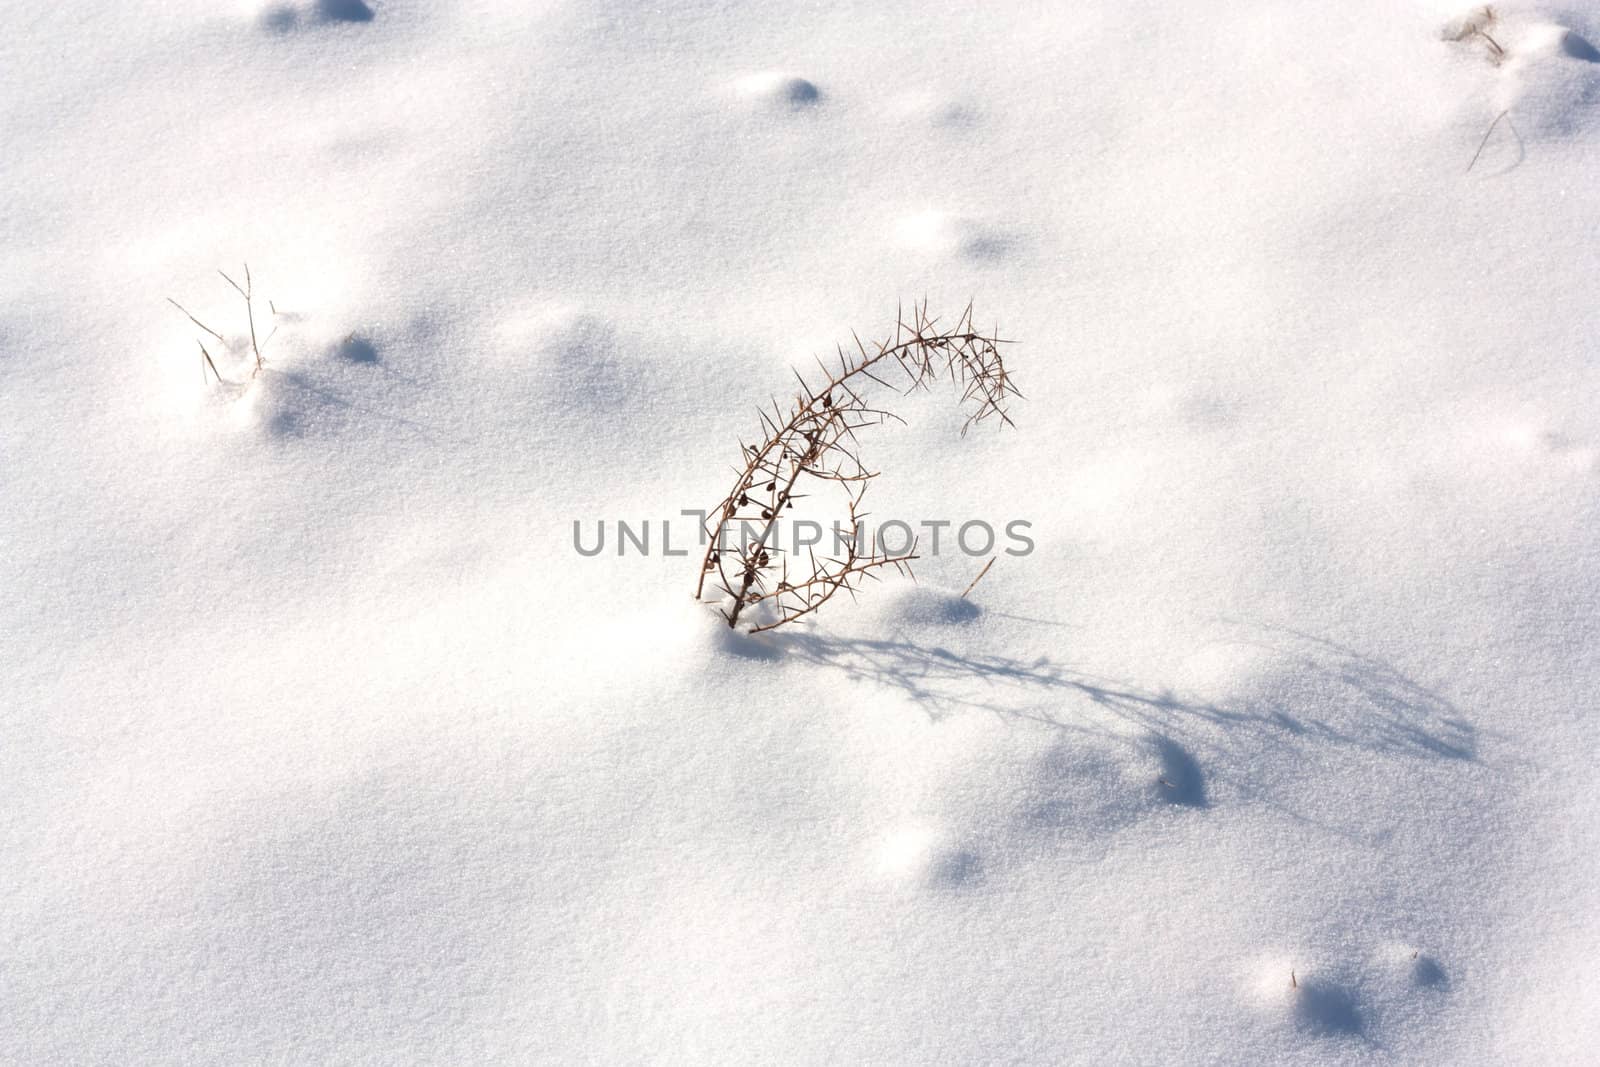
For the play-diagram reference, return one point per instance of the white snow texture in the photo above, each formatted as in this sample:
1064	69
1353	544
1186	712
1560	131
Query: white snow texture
323	744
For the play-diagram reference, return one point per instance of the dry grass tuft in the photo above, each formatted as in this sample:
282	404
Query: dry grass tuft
246	293
1475	26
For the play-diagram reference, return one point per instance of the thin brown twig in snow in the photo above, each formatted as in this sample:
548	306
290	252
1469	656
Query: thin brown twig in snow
250	313
1485	142
979	578
206	356
196	321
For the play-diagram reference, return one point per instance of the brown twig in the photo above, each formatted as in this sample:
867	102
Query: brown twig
1484	143
802	598
206	356
246	292
817	439
979	578
196	321
250	313
1477	24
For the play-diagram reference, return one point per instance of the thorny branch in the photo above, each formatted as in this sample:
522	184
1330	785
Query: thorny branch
817	440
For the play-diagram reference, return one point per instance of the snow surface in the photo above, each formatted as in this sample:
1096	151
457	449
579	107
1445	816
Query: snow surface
322	744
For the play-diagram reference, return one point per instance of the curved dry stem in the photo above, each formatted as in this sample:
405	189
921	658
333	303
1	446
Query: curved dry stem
817	439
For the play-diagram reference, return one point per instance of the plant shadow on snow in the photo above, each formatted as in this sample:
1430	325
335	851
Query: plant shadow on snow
1426	971
1327	1009
1181	778
295	403
1579	48
1319	693
343	11
357	348
957	869
1397	715
285	18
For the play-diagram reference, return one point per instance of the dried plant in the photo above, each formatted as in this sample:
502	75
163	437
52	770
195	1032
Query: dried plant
245	292
816	443
967	591
1476	26
1484	143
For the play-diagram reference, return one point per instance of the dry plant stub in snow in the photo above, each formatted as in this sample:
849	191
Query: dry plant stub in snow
247	294
1476	26
816	443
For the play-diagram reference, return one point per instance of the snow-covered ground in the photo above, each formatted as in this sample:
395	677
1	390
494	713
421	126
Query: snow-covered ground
320	742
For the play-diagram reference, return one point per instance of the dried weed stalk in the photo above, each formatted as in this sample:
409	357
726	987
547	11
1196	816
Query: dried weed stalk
1476	26
815	442
245	292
